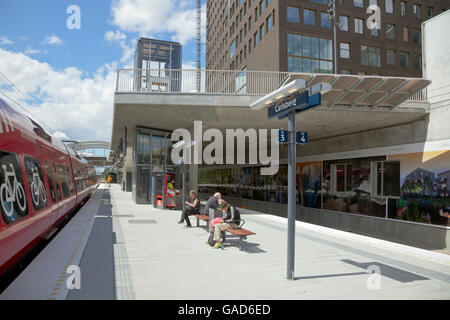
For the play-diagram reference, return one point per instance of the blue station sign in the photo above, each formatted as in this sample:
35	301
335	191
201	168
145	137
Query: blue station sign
302	137
283	136
298	101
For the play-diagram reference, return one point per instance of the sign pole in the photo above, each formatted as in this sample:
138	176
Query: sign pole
291	196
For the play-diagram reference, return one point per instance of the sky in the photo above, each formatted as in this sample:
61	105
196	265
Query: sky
64	75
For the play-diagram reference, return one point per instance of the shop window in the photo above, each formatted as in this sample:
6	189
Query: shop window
341	177
13	200
386	178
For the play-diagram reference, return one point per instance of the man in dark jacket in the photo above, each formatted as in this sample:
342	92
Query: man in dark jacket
212	202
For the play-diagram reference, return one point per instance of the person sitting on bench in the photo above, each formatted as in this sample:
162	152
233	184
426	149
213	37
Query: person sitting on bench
223	224
190	209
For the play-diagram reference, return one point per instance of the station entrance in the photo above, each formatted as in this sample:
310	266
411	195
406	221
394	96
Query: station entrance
158	181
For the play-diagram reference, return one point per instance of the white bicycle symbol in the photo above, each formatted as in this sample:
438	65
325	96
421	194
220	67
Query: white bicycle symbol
10	194
38	192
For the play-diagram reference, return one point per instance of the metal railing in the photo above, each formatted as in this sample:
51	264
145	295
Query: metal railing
208	81
421	95
199	81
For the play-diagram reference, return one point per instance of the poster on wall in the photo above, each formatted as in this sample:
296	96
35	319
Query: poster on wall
424	186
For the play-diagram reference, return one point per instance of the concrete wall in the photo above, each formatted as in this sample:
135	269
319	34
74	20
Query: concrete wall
414	234
436	67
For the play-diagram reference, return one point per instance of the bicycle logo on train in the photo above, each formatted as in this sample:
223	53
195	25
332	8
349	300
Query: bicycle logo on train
13	201
11	193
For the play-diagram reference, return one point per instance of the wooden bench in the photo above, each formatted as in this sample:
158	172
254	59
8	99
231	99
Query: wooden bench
242	234
202	217
239	232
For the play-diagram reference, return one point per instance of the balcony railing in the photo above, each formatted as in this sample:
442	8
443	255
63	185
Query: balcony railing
199	81
212	81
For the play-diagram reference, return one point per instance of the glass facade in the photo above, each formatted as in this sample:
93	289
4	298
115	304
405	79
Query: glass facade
245	183
410	187
309	54
153	148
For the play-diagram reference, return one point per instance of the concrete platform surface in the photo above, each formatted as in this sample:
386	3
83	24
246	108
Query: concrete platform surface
132	251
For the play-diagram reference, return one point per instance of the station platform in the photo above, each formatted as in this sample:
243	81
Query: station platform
130	251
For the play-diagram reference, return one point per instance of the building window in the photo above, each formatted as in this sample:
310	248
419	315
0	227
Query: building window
358	3
261	32
417	62
343	23
430	12
416	36
250	21
390	6
255	39
325	21
416	11
309	54
293	14
261	7
345	50
370	56
269	23
309	17
249	46
404	59
405	34
359	26
390	57
386	178
390	31
232	48
403	8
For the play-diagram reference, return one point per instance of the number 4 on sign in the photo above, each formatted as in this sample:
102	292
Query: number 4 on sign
302	137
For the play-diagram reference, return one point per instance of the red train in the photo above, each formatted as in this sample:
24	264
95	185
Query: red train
41	182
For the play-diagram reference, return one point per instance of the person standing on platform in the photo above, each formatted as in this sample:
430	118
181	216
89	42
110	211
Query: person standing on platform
190	209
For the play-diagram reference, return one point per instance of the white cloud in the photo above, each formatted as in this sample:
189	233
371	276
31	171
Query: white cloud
115	36
177	17
128	48
5	41
30	51
71	102
53	40
60	135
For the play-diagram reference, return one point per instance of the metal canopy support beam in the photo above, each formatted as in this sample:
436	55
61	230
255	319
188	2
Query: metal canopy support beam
369	92
346	91
397	89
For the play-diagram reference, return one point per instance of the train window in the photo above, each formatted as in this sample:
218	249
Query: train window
50	180
64	185
57	179
69	175
13	199
36	183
